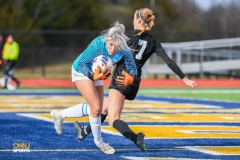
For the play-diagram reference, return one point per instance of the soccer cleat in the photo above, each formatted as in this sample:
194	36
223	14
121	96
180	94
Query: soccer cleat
140	142
80	130
105	147
2	82
58	120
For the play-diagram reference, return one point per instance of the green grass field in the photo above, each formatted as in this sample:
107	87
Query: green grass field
229	94
225	94
206	93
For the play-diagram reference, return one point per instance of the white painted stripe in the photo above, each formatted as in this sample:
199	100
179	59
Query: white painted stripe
209	131
32	115
111	132
198	149
201	149
84	150
231	117
204	105
136	158
153	102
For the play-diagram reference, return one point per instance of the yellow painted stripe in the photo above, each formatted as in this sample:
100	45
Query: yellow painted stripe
181	117
4	104
224	149
227	118
83	119
206	110
160	105
185	131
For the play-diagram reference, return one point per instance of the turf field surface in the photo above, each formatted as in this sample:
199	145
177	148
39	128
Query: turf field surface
175	128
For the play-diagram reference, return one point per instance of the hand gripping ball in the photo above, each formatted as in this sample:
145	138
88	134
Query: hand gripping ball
102	61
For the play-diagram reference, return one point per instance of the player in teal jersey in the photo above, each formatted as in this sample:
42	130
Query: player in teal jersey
112	43
98	47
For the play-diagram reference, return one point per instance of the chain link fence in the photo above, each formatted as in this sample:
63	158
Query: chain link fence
40	50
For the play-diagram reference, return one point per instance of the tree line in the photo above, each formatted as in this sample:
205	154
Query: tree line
176	20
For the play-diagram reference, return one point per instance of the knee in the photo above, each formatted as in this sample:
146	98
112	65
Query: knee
95	110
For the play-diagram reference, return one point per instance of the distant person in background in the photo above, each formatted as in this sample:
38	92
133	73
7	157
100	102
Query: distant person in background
10	55
1	46
1	43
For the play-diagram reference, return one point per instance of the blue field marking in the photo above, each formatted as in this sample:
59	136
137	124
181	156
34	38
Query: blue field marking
46	144
41	135
185	123
225	104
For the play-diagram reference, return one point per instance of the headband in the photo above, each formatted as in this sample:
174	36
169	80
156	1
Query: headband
139	15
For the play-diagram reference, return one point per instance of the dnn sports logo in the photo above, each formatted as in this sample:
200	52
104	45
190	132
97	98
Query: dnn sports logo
21	147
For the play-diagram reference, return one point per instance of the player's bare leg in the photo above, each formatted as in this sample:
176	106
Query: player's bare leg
115	106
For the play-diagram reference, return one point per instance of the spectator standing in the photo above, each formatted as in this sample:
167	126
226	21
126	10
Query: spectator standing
1	46
10	55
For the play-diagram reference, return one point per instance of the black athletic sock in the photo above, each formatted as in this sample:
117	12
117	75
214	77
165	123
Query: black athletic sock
88	128
123	128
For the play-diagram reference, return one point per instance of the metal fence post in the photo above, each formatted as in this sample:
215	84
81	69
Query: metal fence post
201	61
43	62
179	59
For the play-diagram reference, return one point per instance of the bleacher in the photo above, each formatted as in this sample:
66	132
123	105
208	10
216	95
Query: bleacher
200	58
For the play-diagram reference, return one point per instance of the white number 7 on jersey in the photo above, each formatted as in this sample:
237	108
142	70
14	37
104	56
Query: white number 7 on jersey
144	45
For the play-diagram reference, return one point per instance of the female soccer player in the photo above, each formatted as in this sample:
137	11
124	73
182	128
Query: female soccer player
112	43
143	45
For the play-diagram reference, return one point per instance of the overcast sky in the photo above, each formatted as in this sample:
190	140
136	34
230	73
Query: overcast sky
206	4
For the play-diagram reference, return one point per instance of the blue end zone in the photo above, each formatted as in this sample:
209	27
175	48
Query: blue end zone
41	135
46	144
224	104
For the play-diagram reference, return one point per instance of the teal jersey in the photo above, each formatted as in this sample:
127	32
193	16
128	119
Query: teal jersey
83	63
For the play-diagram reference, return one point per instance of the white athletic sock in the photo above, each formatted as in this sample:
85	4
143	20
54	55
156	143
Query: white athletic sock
96	128
80	110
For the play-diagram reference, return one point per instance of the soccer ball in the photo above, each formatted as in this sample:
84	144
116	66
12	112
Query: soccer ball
102	61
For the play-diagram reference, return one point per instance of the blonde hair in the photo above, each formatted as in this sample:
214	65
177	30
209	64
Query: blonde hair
117	34
146	15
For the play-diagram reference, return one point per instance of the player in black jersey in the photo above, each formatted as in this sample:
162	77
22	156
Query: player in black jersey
143	45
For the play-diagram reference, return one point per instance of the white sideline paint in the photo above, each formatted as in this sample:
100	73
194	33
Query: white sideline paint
136	158
33	115
200	149
205	106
